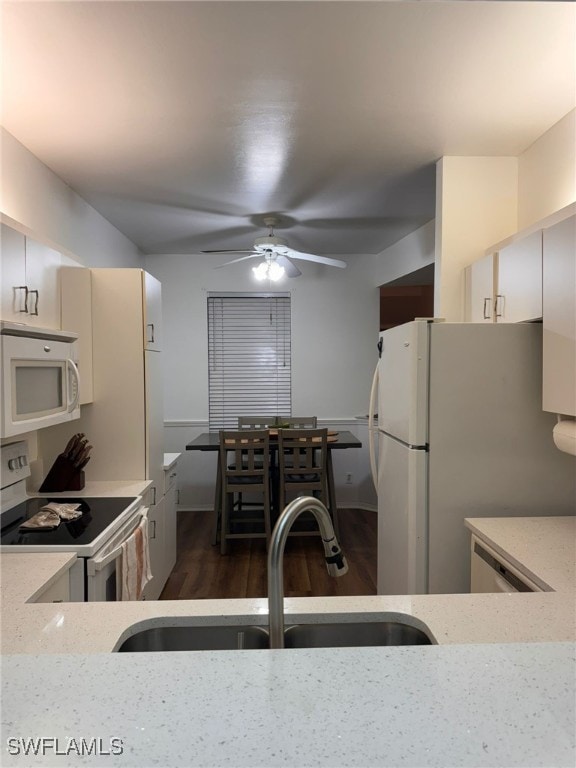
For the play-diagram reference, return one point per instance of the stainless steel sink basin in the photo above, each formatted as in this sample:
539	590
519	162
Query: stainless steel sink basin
196	639
228	638
353	635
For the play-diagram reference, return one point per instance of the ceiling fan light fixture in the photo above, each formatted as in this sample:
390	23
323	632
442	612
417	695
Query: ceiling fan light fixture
268	271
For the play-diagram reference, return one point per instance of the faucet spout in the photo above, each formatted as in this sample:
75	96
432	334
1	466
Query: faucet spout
335	560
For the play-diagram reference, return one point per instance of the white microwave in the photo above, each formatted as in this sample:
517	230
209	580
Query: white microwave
40	379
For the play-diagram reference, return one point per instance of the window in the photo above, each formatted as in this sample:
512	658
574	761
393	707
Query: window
249	357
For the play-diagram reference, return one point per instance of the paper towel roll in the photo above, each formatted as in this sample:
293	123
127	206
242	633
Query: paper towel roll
564	435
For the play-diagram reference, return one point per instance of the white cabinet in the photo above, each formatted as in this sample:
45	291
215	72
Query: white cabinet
559	318
170	519
76	316
14	289
42	276
506	286
519	288
480	290
30	280
152	313
156	515
57	592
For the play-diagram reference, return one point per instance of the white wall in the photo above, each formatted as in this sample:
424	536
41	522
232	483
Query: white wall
476	206
335	315
46	207
547	173
334	328
413	252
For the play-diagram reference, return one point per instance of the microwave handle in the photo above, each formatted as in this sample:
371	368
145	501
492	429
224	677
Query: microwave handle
72	367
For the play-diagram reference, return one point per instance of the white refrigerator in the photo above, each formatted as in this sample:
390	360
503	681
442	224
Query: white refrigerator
460	433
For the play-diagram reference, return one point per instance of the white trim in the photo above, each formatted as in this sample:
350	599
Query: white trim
349	420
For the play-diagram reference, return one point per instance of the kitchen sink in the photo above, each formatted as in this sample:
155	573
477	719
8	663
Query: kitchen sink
240	637
354	635
196	639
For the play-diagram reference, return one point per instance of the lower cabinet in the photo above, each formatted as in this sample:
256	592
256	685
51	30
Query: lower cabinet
156	540
162	536
57	592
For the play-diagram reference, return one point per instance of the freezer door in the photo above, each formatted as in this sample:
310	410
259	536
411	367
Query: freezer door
402	519
403	383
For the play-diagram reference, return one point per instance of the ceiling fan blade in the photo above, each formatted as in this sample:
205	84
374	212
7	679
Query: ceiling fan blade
242	258
289	267
318	259
229	250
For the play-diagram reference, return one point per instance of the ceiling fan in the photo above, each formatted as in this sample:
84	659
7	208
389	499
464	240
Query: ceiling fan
277	256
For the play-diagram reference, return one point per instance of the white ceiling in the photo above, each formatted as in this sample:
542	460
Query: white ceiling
184	122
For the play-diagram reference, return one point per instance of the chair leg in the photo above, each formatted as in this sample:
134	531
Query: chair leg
224	524
332	495
217	507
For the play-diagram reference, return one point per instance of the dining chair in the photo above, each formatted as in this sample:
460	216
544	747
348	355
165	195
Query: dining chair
244	457
303	468
255	422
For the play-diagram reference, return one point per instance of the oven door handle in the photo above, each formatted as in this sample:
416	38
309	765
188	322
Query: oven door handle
105	556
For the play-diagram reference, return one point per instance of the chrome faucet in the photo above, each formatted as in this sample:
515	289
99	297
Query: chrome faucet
335	560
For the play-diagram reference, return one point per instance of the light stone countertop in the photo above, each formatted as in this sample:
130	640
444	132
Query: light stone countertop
103	488
170	459
497	689
542	548
475	705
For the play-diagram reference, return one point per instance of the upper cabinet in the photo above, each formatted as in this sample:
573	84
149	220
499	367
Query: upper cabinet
152	302
506	286
519	290
480	290
559	318
30	283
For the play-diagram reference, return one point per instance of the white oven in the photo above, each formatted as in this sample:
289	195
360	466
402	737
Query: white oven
40	383
96	536
103	569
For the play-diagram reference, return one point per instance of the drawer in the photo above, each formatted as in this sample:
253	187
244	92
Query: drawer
170	478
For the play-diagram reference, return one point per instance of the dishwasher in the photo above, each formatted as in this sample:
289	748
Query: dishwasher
490	572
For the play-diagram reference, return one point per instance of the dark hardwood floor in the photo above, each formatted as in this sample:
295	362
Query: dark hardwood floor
202	572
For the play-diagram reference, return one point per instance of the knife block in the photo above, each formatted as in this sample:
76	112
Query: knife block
63	476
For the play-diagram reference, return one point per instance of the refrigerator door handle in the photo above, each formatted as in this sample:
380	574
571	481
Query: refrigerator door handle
372	431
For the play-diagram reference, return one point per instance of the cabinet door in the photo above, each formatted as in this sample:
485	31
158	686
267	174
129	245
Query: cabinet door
170	533
76	316
519	295
559	318
152	299
480	291
154	587
13	275
42	268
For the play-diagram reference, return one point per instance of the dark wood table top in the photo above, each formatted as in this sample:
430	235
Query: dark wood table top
210	441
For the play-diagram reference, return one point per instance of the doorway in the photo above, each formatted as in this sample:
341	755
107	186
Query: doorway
407	297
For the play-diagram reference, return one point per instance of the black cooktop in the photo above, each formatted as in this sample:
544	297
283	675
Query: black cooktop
97	514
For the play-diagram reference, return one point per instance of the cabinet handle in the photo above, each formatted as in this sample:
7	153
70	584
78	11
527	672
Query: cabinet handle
153	534
151	326
498	297
26	292
35	310
486	317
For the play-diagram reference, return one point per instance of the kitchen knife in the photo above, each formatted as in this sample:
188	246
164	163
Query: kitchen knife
82	456
72	443
83	464
77	450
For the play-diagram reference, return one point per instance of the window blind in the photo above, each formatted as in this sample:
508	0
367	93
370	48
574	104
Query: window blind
249	358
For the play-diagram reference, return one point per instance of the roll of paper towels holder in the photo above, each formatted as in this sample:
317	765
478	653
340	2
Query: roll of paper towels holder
564	435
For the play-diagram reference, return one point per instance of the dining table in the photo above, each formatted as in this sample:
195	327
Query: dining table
210	441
